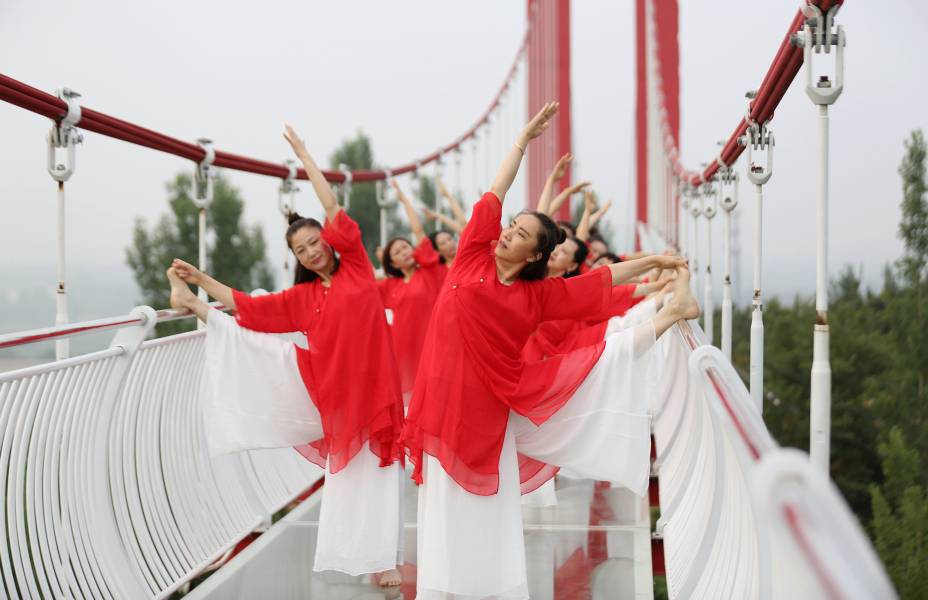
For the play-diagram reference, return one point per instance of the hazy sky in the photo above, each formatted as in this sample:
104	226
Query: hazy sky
415	74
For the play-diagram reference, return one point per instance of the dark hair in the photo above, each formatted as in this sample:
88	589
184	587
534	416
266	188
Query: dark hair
433	237
572	231
386	263
549	236
599	238
614	258
302	274
579	255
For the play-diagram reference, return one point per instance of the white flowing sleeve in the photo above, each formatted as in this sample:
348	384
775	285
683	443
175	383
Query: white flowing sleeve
252	395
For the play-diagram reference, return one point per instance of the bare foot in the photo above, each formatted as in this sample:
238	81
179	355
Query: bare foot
389	578
181	296
682	303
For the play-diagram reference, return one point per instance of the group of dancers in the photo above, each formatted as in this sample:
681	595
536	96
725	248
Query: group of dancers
511	353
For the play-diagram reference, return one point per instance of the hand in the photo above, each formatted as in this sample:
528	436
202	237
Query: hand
540	121
429	213
299	148
670	262
605	207
589	201
441	187
187	272
578	187
560	169
378	252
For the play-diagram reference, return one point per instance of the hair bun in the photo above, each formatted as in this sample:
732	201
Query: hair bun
293	217
561	235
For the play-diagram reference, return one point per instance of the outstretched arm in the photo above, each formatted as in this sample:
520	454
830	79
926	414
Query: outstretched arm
596	216
547	193
414	223
563	196
448	222
622	272
316	178
510	167
456	210
192	275
589	204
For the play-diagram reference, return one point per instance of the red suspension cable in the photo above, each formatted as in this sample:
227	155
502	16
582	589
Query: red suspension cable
45	104
783	69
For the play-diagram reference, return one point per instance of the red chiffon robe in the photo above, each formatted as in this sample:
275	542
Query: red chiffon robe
411	302
349	369
566	335
471	373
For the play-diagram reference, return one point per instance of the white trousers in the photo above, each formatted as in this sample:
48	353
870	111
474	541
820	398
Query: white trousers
471	547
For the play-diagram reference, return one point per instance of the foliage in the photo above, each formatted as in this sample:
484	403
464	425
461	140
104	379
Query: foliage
235	252
356	153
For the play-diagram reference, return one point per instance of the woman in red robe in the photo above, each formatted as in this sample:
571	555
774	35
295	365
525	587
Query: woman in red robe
414	275
472	378
348	370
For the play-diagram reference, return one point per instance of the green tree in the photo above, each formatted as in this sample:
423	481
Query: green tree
235	252
357	154
900	517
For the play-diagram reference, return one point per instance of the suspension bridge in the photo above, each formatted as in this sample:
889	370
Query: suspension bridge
110	491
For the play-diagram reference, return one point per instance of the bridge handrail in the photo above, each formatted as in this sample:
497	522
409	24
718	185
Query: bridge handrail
111	491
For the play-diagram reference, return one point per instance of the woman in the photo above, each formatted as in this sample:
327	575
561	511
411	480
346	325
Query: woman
472	383
414	276
348	371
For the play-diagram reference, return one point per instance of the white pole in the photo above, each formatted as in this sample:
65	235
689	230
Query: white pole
758	136
202	198
757	307
63	135
729	202
818	33
694	211
709	210
62	346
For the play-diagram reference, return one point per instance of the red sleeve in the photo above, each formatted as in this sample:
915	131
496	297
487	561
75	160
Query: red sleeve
425	254
484	227
621	299
272	313
576	297
344	235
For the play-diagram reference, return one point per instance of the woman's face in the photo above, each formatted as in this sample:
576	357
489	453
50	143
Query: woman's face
311	250
401	255
597	249
447	245
518	243
562	258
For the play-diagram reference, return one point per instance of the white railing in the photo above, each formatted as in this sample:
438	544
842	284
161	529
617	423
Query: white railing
110	491
740	516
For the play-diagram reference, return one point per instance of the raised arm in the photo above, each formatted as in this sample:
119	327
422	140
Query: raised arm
563	196
447	221
414	223
510	167
589	204
598	214
557	173
624	271
456	210
316	178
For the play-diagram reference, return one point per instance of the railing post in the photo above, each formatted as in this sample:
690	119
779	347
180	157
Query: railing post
709	209
63	135
820	34
728	198
758	137
383	204
202	198
108	543
684	225
346	186
286	195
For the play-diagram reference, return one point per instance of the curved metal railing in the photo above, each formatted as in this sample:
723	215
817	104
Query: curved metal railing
110	490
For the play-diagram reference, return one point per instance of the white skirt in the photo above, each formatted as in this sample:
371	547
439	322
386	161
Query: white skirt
253	397
471	547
